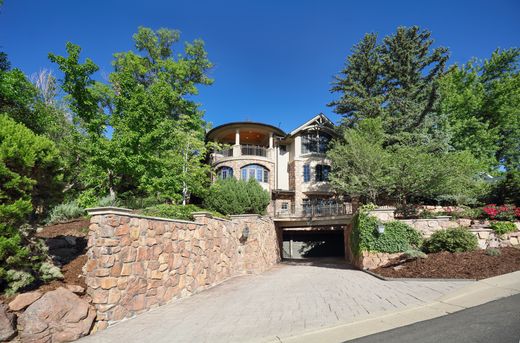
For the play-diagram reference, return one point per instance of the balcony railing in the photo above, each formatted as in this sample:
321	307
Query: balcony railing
325	209
253	150
225	152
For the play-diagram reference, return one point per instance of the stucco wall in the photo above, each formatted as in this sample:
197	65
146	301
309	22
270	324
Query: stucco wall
136	263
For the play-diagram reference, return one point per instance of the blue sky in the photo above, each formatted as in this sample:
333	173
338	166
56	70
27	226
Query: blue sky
274	60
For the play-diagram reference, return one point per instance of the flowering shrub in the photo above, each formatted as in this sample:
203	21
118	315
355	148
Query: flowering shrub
503	212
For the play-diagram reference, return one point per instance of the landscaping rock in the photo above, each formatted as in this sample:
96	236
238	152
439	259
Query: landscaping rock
23	300
76	289
7	324
58	316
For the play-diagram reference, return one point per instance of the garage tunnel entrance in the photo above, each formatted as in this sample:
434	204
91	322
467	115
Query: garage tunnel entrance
300	243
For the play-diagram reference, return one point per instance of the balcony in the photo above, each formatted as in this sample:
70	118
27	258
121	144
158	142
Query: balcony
241	150
319	210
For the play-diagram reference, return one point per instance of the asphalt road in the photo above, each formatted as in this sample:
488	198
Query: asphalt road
497	321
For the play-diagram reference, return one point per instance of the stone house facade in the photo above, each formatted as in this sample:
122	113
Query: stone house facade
292	166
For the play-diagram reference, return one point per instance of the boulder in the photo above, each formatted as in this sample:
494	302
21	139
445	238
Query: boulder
7	329
23	300
76	289
58	316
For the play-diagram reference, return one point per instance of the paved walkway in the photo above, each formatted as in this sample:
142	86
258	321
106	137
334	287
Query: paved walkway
287	300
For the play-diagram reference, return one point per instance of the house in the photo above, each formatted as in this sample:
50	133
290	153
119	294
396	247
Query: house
293	167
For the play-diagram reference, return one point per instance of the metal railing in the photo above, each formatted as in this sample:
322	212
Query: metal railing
325	209
225	152
253	150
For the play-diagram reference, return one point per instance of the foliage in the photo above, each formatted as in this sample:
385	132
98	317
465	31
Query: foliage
397	237
452	240
362	166
65	212
507	189
108	201
176	211
232	196
395	81
501	228
414	254
157	145
49	272
503	212
481	102
493	252
30	179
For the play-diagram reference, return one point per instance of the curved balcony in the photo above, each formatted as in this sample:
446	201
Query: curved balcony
244	151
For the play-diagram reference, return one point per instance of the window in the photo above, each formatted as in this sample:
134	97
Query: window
255	171
285	206
224	173
283	149
322	172
306	173
315	142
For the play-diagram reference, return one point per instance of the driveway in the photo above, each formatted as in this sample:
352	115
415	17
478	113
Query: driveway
287	300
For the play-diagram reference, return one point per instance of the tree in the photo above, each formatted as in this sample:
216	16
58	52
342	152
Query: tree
360	83
482	104
360	163
30	175
156	124
157	143
397	82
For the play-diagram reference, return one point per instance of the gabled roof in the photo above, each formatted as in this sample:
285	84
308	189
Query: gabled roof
320	118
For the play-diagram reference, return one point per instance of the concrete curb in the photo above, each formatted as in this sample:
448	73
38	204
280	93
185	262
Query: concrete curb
475	294
384	278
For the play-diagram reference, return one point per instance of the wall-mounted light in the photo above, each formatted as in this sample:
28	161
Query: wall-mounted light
380	228
245	233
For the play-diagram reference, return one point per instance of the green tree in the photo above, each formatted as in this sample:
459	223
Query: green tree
30	178
360	164
397	82
360	83
482	104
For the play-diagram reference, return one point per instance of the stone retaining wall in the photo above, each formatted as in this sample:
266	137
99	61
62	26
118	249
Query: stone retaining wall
137	263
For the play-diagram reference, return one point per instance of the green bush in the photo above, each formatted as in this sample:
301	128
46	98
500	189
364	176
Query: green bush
493	252
175	211
232	196
501	228
108	201
65	212
414	254
30	178
452	240
397	237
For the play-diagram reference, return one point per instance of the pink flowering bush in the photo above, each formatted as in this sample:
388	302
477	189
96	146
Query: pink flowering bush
502	212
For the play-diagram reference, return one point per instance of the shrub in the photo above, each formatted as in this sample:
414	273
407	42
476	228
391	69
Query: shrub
232	196
30	178
175	211
413	254
398	236
65	212
108	201
493	252
501	228
503	212
452	240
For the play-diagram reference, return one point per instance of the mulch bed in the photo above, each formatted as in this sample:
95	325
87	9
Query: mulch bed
72	271
446	265
76	228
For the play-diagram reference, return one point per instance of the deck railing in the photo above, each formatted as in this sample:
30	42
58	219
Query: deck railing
253	150
325	209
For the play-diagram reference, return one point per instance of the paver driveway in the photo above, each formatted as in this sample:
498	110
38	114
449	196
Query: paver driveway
284	301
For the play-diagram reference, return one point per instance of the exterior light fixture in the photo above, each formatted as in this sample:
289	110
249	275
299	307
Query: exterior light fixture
245	233
380	228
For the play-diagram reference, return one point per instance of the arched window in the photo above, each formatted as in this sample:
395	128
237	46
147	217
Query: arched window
224	173
255	171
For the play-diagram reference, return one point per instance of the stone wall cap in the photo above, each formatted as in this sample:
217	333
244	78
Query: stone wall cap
202	214
99	211
245	215
384	208
108	209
